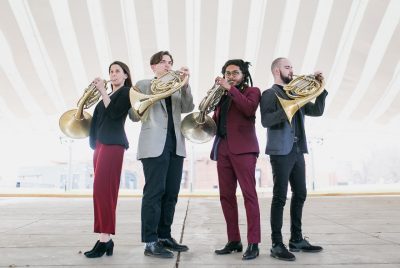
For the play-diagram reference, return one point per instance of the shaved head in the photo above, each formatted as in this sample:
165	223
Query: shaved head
282	71
276	63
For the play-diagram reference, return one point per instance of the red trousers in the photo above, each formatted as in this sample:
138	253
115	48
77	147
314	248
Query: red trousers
107	164
232	169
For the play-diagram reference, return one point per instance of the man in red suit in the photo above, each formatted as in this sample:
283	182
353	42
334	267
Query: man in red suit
236	150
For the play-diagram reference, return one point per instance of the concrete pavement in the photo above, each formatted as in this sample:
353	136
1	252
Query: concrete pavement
355	231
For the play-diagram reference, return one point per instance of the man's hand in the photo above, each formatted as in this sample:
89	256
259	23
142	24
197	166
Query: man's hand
223	82
185	72
319	76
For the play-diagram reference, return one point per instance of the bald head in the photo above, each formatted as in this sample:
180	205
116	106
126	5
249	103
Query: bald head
277	63
282	71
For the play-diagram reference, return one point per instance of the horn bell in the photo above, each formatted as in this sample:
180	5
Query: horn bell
75	128
75	123
198	132
198	127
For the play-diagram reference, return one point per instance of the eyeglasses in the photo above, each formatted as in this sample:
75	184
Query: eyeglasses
233	73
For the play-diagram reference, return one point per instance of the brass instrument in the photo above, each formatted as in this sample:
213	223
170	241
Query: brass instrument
301	90
75	123
198	127
161	88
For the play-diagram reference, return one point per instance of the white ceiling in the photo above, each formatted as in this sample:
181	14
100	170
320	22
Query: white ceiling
51	49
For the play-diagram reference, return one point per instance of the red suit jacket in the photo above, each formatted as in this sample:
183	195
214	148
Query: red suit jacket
240	123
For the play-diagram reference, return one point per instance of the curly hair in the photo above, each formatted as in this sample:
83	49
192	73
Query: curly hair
244	68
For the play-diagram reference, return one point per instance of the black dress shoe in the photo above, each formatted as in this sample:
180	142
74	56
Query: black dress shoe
157	250
252	252
280	252
100	248
171	244
303	245
230	247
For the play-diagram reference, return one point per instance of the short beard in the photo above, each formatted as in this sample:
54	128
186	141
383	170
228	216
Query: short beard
286	79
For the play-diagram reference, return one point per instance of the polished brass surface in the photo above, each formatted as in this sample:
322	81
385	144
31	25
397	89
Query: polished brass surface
73	126
161	88
198	127
75	123
300	91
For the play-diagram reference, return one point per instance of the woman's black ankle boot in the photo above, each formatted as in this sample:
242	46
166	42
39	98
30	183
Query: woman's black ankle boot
101	248
95	245
110	248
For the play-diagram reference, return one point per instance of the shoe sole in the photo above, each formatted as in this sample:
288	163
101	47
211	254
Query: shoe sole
226	253
304	250
158	256
252	258
282	259
176	250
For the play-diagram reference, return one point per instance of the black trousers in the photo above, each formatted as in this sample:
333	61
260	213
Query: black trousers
163	176
285	169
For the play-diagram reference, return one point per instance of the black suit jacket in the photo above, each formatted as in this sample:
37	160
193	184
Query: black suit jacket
280	135
108	124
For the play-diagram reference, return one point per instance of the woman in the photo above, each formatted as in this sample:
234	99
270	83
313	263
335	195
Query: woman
109	141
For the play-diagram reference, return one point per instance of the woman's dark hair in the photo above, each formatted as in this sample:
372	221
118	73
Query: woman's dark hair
125	68
244	68
156	58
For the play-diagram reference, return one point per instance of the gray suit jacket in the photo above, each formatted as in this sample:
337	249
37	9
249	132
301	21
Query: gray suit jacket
154	130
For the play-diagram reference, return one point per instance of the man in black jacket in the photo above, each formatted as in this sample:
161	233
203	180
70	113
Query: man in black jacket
286	144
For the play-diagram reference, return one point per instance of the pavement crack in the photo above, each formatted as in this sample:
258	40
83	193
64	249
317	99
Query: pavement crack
182	233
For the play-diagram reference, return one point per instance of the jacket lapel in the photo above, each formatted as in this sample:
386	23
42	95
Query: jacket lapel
163	104
281	93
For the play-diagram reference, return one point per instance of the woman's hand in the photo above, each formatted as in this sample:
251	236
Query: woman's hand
99	84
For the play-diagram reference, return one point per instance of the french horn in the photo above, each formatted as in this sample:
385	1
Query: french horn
301	90
75	123
198	127
161	88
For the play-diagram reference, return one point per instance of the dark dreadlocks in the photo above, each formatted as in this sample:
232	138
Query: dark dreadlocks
244	68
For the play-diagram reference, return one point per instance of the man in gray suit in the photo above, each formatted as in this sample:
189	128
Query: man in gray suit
162	150
286	146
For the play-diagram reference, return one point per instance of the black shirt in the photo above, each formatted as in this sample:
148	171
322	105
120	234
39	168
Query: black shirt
225	103
170	142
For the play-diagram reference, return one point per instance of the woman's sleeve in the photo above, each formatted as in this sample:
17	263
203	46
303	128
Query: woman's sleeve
119	106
